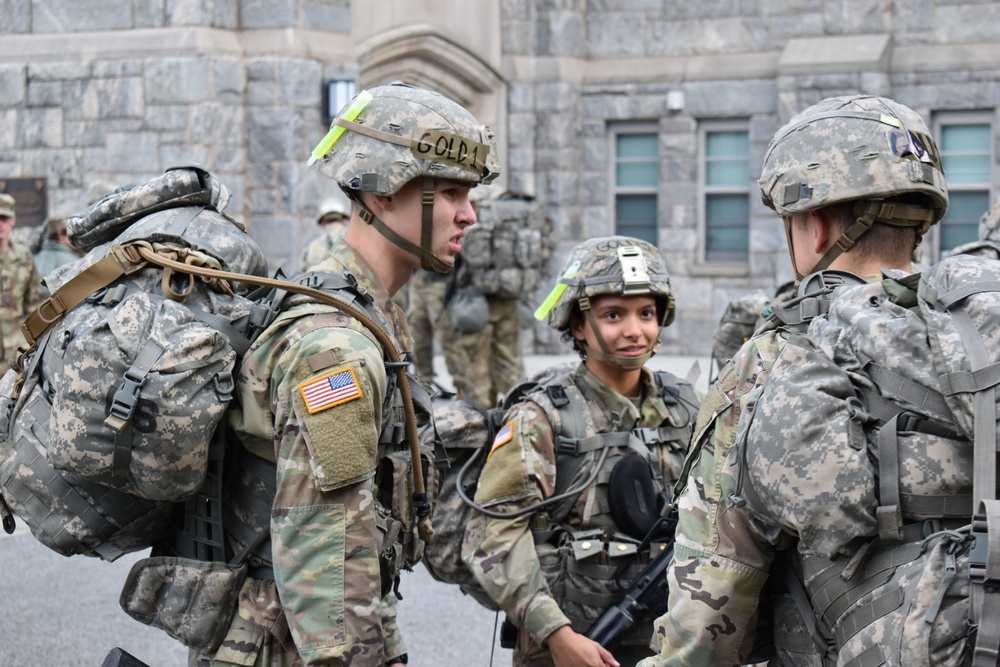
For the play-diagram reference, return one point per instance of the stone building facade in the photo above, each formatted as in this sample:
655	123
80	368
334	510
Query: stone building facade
643	116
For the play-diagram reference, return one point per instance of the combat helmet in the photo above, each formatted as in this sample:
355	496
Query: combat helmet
389	135
855	148
616	265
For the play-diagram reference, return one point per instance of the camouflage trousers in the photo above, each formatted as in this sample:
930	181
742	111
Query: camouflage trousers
487	363
427	317
247	644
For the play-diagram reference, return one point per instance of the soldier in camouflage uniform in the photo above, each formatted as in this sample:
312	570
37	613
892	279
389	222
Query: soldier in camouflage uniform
742	317
313	389
551	568
332	221
857	182
428	317
20	286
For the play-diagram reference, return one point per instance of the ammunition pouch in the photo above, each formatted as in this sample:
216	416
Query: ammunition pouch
192	601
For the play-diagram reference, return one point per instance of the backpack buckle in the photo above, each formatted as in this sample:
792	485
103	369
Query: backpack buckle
124	402
568	446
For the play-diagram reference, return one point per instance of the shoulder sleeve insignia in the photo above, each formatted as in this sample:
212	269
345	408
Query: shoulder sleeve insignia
503	436
330	390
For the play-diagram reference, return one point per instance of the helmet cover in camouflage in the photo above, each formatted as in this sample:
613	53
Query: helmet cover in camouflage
616	265
989	224
853	148
417	132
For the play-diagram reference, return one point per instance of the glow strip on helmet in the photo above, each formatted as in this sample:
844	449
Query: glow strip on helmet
557	291
324	147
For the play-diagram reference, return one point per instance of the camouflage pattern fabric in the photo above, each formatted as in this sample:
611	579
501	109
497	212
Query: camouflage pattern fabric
720	563
488	362
427	318
21	290
321	247
326	604
508	250
813	457
527	581
742	317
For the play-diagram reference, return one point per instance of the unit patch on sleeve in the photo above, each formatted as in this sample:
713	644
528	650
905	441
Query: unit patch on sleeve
330	390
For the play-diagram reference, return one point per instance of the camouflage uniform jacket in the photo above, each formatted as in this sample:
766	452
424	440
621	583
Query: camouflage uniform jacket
321	247
324	540
521	470
720	563
21	291
986	248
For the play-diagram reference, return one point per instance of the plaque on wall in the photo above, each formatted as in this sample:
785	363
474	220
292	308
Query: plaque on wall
31	197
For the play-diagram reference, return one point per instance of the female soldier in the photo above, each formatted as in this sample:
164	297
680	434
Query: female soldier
582	467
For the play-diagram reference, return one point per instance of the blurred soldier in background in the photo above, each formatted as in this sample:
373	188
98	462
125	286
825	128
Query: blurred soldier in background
20	286
54	248
333	218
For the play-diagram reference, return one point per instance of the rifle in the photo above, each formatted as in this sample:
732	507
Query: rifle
120	658
646	593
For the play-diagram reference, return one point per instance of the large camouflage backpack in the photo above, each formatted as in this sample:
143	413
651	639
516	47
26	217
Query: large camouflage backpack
884	417
114	416
507	251
461	434
110	419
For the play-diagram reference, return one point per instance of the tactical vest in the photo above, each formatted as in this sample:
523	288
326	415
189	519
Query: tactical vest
902	596
580	569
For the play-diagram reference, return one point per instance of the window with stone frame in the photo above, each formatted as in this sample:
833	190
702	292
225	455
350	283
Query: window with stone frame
724	184
965	141
636	179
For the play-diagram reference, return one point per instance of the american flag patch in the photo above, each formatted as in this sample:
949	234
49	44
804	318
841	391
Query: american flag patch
503	435
330	390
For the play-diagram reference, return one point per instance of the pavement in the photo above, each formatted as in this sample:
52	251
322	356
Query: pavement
63	612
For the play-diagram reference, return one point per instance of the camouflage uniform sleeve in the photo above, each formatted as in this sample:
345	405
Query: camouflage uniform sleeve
323	522
501	552
36	292
720	563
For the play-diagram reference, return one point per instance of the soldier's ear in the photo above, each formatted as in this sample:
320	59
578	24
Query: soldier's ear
825	231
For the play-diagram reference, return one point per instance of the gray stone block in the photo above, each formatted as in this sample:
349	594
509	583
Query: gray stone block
177	154
104	98
114	68
227	14
567	34
44	94
178	80
267	13
15	16
81	15
163	117
301	83
150	14
39	128
83	133
190	12
219	124
617	35
134	152
326	17
13	86
276	134
262	93
230	81
58	71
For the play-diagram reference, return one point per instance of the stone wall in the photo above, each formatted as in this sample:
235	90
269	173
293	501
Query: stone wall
118	90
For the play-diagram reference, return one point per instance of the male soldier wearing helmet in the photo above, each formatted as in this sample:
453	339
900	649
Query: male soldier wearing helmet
332	221
857	181
558	500
317	400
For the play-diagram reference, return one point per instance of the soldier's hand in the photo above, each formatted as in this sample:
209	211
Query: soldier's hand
570	649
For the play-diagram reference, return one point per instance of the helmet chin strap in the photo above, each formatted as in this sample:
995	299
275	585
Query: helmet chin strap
428	260
605	354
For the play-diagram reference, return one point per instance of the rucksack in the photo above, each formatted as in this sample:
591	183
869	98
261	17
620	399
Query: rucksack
507	251
461	434
115	415
460	439
923	410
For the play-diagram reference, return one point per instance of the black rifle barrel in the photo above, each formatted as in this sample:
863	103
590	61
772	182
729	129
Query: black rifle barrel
649	586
